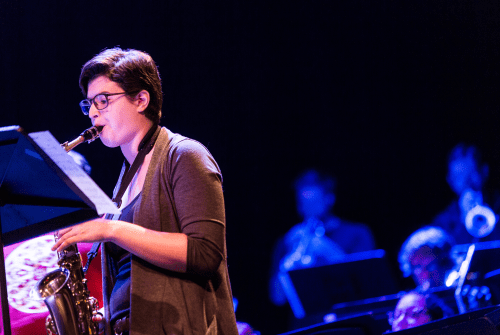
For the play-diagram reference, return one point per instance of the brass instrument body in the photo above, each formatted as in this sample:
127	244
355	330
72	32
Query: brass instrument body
71	260
66	295
57	295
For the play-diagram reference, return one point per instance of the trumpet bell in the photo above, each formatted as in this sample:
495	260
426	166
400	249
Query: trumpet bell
480	221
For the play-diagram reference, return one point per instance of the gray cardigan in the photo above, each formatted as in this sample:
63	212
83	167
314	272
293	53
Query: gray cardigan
182	193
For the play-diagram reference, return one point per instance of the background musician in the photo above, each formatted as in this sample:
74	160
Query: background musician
467	176
321	238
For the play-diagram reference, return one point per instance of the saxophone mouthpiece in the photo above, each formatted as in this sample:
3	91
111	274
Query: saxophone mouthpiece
92	133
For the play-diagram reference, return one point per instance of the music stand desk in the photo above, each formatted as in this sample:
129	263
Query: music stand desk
42	189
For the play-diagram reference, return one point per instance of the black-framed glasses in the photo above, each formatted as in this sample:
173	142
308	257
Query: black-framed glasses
100	101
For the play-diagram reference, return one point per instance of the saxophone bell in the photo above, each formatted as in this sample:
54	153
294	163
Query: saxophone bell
67	297
54	290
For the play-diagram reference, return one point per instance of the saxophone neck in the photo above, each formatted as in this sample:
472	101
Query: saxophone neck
68	146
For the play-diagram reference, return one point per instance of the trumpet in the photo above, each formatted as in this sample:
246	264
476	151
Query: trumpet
478	218
88	135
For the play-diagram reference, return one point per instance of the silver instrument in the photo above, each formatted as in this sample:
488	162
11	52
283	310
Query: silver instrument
313	248
480	221
462	275
64	290
478	218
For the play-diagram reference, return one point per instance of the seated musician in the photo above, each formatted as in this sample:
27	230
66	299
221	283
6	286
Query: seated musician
426	256
415	309
321	238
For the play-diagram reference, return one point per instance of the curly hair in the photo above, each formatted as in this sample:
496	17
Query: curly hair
435	239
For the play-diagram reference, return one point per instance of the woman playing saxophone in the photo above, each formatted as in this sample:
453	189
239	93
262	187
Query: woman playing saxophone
164	257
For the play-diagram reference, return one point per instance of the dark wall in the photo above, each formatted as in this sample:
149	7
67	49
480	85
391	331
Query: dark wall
374	92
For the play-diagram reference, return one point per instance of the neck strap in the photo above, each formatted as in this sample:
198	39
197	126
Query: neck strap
145	147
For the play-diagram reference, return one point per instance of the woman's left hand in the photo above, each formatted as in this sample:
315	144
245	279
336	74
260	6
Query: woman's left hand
166	250
96	230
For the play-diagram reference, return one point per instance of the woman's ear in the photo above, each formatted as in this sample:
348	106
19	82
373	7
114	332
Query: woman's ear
142	100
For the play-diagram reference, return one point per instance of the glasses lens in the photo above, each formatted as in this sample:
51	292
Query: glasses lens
101	101
85	106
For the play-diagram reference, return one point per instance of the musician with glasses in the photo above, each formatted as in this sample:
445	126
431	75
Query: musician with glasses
428	257
164	258
415	309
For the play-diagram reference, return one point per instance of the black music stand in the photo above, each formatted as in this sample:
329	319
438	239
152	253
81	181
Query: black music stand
41	190
359	276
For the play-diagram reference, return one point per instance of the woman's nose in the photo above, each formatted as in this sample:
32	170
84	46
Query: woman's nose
93	112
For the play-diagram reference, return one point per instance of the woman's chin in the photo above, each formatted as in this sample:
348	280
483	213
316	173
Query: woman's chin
109	143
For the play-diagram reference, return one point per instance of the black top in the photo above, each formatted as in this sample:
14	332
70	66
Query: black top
120	296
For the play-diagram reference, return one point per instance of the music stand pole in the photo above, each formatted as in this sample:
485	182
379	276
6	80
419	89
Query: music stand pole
3	291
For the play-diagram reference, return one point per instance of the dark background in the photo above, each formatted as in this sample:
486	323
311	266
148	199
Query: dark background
375	92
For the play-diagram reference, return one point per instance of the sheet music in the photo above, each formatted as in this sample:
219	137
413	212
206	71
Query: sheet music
82	180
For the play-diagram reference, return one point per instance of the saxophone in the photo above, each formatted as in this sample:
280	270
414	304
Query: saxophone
64	290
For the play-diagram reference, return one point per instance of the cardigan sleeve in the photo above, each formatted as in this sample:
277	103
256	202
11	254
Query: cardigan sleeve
196	183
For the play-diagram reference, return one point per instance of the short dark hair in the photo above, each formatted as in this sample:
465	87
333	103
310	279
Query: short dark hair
133	70
465	149
314	177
